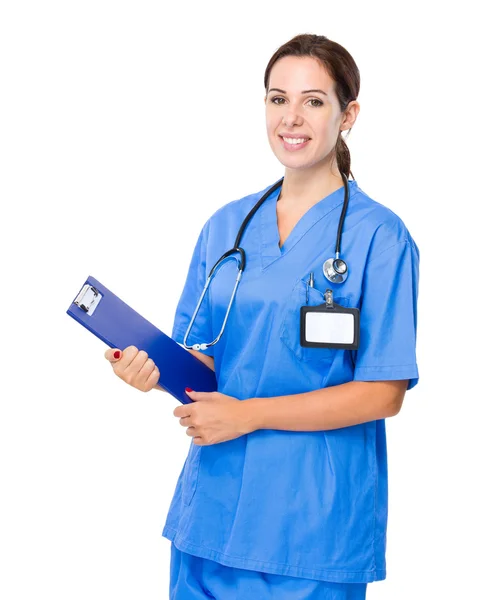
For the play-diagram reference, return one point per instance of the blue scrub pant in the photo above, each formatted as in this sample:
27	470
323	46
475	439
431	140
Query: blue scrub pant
195	578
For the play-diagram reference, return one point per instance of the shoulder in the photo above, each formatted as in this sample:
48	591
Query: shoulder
241	206
232	214
378	224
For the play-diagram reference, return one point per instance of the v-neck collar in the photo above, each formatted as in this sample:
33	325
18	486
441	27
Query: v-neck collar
270	251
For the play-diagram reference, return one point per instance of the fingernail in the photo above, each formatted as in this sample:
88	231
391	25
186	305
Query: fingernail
117	354
188	390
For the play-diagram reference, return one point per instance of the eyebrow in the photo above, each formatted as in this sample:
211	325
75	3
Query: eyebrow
303	92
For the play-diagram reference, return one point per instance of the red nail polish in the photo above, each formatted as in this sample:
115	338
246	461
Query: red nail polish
117	354
188	390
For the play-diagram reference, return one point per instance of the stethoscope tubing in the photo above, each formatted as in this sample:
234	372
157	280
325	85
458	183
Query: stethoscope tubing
242	261
256	207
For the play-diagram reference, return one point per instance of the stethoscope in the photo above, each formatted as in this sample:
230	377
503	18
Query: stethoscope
335	269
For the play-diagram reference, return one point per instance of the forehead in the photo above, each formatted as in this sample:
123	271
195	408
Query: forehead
296	73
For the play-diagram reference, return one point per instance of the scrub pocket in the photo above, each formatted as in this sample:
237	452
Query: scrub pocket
191	472
290	331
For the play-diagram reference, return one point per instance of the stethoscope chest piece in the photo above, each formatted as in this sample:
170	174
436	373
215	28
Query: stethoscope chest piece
335	270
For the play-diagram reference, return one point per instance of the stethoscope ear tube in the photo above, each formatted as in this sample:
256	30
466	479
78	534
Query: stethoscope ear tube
213	272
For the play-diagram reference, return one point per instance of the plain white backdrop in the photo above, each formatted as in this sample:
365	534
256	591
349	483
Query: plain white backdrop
124	126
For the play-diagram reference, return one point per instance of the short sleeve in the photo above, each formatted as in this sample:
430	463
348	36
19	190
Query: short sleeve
388	316
201	330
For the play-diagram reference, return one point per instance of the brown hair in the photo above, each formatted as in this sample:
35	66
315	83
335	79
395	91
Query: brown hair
339	64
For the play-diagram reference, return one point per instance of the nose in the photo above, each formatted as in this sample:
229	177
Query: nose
291	117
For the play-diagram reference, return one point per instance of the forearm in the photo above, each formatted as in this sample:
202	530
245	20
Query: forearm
328	408
205	359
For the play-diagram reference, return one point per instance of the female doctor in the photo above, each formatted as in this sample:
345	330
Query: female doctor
283	494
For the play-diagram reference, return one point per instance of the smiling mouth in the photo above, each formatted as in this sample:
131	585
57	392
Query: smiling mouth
294	141
294	144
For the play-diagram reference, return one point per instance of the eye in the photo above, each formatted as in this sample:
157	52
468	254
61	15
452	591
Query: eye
320	103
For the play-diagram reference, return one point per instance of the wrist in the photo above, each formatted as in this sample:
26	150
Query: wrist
252	414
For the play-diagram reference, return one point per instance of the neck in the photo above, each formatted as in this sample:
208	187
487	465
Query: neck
305	186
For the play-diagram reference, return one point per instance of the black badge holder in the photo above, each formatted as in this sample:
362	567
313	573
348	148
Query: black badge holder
330	325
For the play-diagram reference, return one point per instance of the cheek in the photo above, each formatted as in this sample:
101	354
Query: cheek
270	125
327	135
271	130
273	121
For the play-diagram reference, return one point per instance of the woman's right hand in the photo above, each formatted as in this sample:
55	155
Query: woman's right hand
134	367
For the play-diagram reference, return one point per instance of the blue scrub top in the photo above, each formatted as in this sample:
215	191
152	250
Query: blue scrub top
307	504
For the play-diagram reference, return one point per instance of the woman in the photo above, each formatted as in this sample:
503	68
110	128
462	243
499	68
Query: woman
284	490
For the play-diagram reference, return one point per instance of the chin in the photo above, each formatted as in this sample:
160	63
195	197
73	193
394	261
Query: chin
295	165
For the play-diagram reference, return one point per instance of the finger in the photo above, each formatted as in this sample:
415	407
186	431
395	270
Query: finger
203	395
195	395
121	366
153	378
113	354
145	374
126	358
134	361
184	410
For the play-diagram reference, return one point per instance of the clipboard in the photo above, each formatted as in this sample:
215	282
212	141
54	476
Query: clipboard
111	320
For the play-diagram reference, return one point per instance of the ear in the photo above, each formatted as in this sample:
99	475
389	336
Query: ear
350	116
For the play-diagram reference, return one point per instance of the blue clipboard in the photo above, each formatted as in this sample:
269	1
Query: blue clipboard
109	318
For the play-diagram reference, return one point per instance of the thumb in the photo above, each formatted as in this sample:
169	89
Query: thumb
199	395
113	355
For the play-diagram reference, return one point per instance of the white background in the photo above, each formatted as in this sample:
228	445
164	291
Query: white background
124	126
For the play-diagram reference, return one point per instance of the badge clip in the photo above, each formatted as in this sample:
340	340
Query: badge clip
329	300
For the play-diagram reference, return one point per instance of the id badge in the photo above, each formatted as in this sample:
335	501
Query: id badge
330	325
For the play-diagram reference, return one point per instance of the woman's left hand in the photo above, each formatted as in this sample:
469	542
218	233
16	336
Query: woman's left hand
214	417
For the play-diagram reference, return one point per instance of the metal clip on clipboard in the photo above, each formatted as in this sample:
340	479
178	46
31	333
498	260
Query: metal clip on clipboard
88	298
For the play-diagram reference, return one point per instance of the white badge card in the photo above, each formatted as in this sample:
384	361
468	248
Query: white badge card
330	325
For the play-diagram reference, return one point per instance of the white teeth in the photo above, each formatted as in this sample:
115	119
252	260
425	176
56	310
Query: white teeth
294	141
